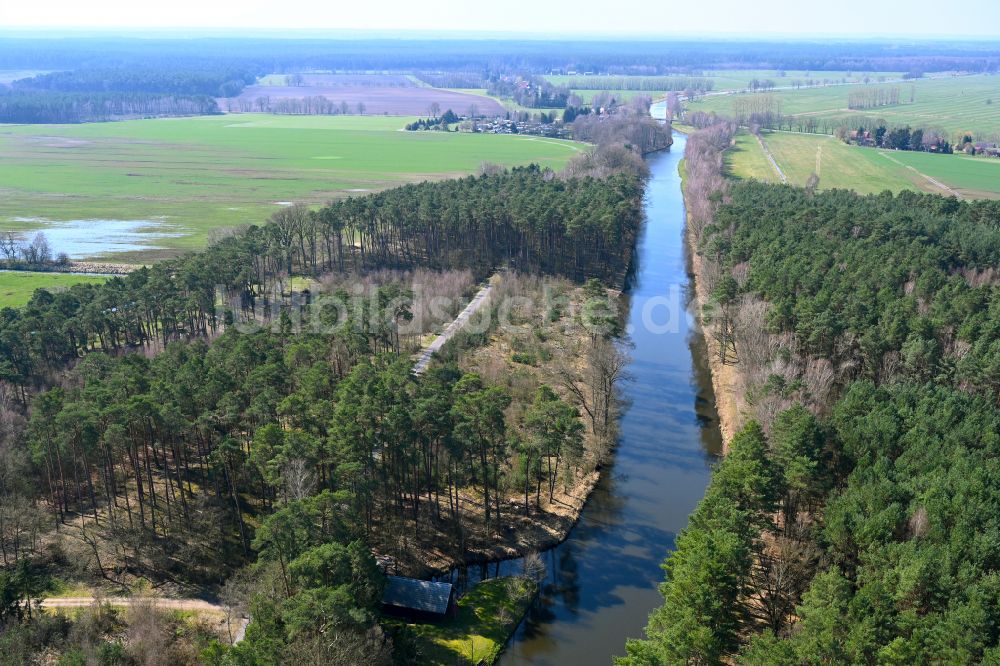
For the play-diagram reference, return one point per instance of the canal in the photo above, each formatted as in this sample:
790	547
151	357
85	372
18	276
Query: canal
601	583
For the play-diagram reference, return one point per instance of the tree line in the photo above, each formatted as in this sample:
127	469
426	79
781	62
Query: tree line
525	218
216	80
696	84
871	98
47	107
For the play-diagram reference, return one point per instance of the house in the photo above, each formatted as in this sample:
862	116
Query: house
417	599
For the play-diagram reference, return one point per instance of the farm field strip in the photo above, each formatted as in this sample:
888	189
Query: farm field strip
16	287
953	104
865	170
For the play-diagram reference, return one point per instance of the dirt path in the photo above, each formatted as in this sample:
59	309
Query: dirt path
171	604
770	158
423	358
196	605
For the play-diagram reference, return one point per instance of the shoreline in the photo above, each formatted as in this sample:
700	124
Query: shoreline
79	268
724	377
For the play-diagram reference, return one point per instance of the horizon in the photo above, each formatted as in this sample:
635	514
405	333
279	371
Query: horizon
364	34
588	19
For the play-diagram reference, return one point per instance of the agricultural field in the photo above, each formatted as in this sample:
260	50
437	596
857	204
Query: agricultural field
865	170
746	160
380	94
722	81
145	189
16	287
954	104
837	164
739	79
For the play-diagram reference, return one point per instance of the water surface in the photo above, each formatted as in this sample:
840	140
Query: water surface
601	583
86	239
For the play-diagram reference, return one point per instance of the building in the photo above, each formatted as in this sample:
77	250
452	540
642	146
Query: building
417	599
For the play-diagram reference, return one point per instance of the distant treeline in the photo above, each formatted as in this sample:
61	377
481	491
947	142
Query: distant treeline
310	105
648	83
88	95
469	80
77	107
621	57
870	98
210	81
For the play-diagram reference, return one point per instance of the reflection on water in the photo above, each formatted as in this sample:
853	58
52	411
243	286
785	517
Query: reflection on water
83	239
601	582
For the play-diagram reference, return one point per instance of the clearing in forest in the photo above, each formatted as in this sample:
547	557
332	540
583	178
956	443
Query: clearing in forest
865	170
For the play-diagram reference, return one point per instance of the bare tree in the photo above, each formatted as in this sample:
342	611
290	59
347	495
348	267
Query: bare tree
299	479
9	246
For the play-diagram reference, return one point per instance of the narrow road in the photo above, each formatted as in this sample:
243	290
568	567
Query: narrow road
770	158
197	605
172	604
423	358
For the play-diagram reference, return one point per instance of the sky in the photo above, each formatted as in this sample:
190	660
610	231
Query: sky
748	18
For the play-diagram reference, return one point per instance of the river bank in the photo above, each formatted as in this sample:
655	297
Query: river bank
725	376
540	340
601	583
73	268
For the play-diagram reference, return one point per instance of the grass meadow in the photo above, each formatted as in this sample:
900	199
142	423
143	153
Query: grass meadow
16	287
865	170
196	174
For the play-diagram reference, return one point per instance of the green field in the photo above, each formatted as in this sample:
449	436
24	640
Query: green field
16	287
954	104
865	170
723	80
739	79
191	175
746	160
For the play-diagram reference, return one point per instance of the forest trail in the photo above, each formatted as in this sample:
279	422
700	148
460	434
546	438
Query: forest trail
189	604
171	604
423	358
770	158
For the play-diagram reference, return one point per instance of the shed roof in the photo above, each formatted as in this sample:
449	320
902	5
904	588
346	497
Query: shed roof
421	595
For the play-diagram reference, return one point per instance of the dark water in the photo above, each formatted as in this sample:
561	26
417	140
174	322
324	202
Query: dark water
601	582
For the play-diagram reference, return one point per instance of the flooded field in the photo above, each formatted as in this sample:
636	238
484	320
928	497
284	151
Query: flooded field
96	239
